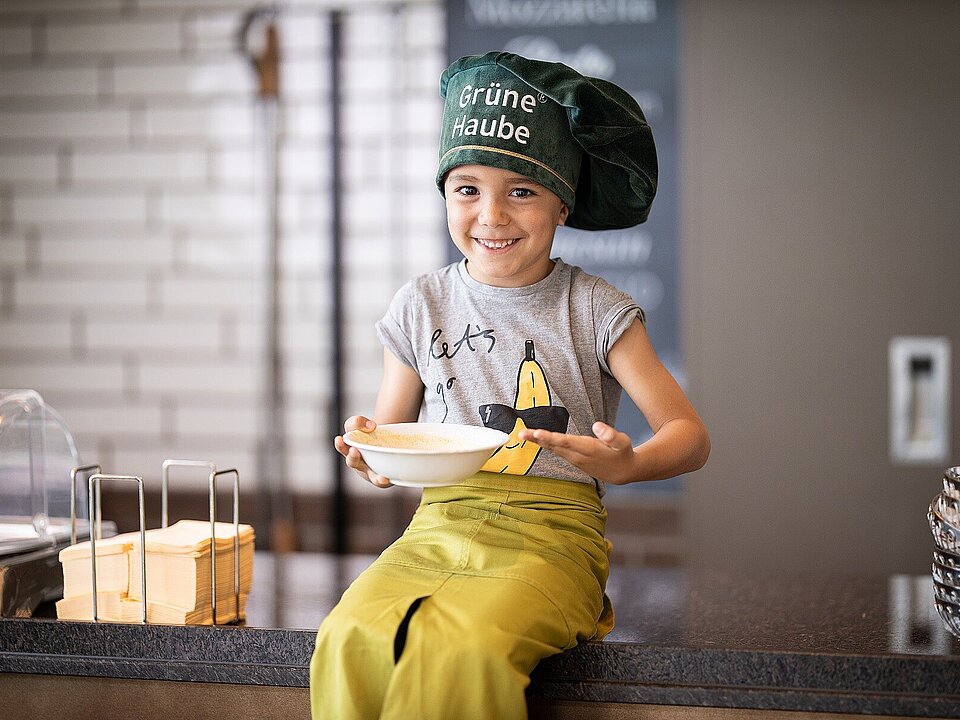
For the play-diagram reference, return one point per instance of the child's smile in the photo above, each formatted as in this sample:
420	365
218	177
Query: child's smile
496	244
503	223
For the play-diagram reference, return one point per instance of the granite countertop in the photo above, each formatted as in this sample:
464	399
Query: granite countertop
811	643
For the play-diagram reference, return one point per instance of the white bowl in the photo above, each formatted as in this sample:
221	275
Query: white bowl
426	454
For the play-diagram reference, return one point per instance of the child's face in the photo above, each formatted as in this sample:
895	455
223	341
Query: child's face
503	223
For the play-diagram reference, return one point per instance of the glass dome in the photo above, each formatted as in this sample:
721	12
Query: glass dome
37	457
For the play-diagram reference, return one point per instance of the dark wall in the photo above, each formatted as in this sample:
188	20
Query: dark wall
821	176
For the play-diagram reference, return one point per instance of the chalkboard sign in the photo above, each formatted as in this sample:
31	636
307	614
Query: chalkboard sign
633	43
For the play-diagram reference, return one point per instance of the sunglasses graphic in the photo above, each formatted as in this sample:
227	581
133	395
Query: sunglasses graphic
504	418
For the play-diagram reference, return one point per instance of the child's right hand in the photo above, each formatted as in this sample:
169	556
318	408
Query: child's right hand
352	455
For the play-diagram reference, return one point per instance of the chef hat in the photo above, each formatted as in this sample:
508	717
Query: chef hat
583	138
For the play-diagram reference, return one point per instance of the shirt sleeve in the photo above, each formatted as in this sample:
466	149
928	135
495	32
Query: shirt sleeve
614	311
393	329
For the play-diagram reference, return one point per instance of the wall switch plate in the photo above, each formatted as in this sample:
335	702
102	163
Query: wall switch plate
919	399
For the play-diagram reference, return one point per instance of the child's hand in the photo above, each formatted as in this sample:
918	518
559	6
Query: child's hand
608	456
353	457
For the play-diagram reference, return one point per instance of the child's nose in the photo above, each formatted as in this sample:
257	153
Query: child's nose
492	213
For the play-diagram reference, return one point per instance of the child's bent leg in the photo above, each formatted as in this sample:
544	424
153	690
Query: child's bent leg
471	648
350	667
355	652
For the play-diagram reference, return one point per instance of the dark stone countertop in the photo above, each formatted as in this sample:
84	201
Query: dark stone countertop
870	645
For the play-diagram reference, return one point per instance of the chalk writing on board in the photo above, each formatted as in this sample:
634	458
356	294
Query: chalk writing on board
558	13
611	248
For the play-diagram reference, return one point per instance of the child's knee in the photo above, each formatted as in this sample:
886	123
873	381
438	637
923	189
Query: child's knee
344	629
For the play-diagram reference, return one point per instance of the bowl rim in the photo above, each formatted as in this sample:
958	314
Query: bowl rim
951	480
497	438
945	501
938	523
942	502
950	590
943	540
939	566
950	559
952	605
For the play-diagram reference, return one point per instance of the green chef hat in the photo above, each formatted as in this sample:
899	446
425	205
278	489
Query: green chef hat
583	138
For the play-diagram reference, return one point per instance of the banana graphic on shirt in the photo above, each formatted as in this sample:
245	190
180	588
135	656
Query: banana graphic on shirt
517	456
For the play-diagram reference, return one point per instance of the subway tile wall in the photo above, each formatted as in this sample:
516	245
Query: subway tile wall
133	219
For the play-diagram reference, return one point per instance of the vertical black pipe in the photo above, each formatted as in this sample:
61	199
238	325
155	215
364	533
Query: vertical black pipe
338	520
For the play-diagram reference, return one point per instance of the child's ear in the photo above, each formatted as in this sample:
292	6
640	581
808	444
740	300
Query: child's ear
564	211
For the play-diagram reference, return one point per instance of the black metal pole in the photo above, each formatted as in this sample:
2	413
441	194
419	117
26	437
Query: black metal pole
339	520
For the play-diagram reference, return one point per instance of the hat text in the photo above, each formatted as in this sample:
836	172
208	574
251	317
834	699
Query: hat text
495	95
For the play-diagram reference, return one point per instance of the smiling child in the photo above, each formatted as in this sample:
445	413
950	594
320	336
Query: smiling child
508	567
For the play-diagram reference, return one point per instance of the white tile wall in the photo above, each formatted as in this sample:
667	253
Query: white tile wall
36	335
76	206
76	125
15	39
81	250
57	291
130	35
131	218
90	166
48	81
40	168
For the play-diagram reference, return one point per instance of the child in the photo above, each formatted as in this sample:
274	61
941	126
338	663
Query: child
508	567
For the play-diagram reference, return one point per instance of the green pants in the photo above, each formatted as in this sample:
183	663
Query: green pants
491	576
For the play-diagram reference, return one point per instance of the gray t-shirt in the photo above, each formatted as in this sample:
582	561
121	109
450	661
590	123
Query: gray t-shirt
502	357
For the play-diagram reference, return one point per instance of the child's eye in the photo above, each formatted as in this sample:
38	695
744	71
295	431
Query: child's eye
521	192
466	190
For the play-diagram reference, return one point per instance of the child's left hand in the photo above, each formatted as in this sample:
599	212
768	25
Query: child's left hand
608	456
679	444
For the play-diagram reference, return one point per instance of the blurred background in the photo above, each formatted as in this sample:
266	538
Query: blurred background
205	206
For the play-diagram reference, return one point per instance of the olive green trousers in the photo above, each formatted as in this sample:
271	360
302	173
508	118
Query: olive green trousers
491	576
